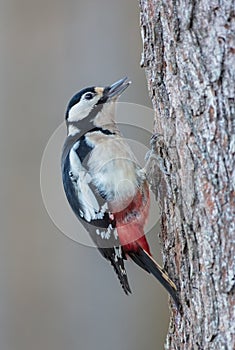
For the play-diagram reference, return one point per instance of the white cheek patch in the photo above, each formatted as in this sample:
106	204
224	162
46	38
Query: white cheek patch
82	109
79	111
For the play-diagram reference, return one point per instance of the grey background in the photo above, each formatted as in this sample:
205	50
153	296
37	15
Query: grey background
54	293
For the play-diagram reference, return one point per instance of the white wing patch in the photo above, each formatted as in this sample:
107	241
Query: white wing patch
106	234
81	179
103	209
115	233
118	253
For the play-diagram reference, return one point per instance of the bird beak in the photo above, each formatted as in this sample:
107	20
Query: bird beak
116	89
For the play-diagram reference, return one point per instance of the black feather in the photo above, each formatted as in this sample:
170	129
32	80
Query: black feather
118	265
110	248
146	262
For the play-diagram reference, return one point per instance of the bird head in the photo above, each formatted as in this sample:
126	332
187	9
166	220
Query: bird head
91	102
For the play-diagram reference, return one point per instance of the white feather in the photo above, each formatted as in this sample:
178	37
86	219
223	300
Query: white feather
81	110
90	206
114	169
105	234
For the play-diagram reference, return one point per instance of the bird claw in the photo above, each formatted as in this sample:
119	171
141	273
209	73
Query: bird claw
157	140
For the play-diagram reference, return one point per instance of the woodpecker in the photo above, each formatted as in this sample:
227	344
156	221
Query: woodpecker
104	184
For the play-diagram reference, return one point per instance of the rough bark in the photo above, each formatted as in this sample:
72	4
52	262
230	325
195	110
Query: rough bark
189	58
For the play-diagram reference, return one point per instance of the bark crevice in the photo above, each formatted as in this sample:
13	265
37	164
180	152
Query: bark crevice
189	59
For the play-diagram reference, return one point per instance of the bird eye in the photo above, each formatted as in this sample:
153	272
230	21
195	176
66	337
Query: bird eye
88	96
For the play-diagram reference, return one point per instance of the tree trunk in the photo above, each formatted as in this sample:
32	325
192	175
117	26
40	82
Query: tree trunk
189	58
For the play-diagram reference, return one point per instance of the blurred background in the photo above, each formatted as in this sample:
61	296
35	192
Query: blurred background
56	294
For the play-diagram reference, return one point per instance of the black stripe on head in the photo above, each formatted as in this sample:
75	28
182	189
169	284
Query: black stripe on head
77	97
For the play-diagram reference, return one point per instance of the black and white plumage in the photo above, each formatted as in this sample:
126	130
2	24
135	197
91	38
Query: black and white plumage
87	126
105	186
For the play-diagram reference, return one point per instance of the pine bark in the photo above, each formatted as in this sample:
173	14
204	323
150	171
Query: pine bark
189	59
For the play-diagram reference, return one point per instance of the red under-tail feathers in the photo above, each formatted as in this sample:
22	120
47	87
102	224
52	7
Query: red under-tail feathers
130	226
130	222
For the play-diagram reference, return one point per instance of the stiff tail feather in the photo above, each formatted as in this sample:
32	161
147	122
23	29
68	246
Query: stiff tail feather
146	262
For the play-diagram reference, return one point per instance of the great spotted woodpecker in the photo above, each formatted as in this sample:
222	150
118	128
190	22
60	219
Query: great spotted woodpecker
105	185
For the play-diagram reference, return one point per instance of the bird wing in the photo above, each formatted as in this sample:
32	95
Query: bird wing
91	208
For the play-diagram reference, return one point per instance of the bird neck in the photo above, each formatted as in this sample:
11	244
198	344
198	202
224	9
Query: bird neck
100	117
79	128
73	128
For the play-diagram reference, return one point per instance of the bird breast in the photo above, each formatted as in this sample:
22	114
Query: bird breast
114	171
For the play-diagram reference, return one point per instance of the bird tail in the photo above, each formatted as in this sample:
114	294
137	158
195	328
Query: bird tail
146	262
116	257
122	276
